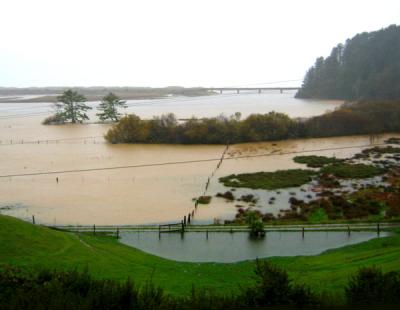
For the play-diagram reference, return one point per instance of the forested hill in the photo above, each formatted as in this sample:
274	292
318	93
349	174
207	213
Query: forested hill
365	67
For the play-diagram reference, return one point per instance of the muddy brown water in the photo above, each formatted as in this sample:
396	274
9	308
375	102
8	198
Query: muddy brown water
127	196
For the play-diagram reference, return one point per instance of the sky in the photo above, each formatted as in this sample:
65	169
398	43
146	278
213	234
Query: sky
176	42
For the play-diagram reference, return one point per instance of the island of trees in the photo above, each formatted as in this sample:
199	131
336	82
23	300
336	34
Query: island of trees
367	66
350	119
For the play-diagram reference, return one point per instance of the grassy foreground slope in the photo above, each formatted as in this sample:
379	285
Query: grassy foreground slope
34	247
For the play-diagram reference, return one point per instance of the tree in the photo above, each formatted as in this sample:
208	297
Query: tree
367	66
71	106
109	107
256	224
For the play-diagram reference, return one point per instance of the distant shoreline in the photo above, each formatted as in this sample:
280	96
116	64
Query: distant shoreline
49	94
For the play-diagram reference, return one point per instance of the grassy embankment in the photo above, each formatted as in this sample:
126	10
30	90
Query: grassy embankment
34	247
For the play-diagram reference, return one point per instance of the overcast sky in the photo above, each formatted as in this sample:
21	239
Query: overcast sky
175	42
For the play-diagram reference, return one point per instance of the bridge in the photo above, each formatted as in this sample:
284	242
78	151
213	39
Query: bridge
257	89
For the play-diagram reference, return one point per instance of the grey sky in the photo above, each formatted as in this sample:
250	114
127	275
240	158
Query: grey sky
175	42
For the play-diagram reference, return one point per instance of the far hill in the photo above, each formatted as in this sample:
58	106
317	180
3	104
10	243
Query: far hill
367	66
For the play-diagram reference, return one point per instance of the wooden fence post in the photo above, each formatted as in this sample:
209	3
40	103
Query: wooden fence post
33	219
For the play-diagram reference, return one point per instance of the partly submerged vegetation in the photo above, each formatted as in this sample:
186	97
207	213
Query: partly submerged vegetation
340	193
269	180
352	171
71	107
314	161
350	119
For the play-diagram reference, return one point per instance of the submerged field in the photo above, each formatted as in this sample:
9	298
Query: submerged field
35	247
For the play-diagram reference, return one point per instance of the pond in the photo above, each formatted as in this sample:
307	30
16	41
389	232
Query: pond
233	247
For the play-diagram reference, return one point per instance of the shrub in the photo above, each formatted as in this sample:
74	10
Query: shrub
55	119
371	286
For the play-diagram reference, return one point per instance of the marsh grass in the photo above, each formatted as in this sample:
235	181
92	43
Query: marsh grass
269	180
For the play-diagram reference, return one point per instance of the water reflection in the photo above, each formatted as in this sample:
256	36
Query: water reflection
233	247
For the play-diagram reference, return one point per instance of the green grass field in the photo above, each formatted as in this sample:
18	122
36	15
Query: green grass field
34	247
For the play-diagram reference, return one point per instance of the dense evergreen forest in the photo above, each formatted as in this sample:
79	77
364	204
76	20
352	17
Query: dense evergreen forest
367	66
350	119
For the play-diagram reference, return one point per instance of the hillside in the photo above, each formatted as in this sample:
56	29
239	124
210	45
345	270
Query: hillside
34	247
367	66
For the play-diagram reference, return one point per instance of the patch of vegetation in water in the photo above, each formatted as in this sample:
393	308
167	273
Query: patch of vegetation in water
352	171
269	180
382	150
250	198
393	140
204	200
314	161
227	195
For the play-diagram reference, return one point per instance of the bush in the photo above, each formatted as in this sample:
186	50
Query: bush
370	286
55	119
274	288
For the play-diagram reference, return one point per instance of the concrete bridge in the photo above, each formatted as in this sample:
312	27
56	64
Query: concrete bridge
257	89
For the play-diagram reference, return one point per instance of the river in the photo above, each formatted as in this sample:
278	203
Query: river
149	194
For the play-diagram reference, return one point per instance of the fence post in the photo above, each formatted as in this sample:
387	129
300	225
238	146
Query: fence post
378	229
33	219
302	232
184	220
207	234
348	230
94	229
117	233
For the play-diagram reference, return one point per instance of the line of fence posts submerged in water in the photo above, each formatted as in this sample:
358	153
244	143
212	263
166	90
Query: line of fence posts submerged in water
181	227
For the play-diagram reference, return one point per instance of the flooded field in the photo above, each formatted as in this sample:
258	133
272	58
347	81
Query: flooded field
150	194
234	247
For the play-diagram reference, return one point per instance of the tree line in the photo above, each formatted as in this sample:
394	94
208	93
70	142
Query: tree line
71	107
367	66
273	289
350	119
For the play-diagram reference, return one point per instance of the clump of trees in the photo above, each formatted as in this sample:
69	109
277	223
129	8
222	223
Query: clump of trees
215	130
71	107
367	66
350	119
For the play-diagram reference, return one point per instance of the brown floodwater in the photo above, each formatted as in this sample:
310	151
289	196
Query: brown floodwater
125	196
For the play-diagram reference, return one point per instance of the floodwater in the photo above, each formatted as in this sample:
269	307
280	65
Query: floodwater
234	247
151	194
